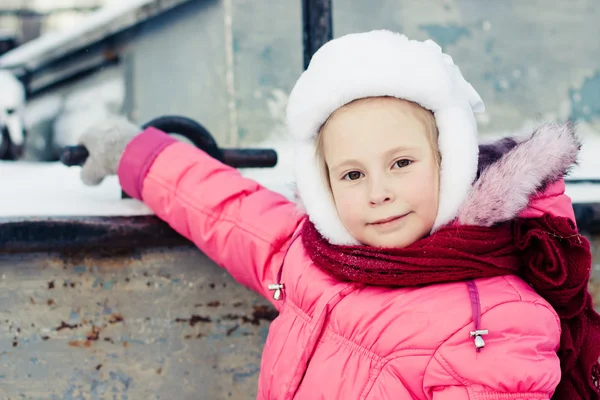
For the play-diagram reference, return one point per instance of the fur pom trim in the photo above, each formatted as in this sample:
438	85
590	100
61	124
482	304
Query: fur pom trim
512	170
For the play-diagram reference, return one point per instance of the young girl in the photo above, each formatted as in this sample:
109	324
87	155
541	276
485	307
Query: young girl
421	267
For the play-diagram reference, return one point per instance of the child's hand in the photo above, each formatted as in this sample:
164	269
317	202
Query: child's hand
105	143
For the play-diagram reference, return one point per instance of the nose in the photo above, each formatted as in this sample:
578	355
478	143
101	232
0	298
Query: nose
380	192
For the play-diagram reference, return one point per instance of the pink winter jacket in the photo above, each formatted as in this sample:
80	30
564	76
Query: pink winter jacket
339	340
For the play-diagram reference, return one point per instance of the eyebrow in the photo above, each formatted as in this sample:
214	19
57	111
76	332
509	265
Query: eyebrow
343	164
399	149
387	154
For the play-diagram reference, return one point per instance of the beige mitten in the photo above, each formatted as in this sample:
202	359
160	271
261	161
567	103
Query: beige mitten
105	143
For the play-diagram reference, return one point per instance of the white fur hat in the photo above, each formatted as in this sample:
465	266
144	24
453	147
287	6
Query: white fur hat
383	63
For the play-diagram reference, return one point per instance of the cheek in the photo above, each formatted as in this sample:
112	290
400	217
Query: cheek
346	202
425	192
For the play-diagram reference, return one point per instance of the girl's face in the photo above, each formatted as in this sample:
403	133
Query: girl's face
383	170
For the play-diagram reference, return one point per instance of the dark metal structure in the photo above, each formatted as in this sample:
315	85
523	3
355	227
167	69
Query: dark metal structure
317	26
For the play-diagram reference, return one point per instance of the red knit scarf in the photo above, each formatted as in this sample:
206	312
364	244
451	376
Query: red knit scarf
547	252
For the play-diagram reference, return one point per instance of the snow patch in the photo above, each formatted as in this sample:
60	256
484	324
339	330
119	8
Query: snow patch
52	189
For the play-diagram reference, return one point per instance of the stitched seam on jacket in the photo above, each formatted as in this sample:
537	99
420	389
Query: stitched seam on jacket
351	345
475	395
411	352
488	310
384	364
317	317
371	354
451	371
372	379
514	287
381	361
298	311
147	165
520	293
448	368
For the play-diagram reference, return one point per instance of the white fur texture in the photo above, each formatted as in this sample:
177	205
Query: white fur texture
383	63
505	187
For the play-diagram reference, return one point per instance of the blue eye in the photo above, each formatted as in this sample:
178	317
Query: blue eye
403	163
352	176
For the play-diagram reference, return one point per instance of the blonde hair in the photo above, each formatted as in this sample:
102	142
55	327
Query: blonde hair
422	114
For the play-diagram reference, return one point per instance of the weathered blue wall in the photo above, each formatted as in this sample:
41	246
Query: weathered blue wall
231	63
530	60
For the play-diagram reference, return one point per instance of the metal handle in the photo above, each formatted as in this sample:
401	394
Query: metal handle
73	155
195	133
199	136
250	158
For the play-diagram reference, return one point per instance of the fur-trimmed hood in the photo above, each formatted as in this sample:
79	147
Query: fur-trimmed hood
512	170
375	64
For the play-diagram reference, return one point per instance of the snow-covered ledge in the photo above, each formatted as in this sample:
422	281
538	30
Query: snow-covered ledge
110	19
52	189
51	197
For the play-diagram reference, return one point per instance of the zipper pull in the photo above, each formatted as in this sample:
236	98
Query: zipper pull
277	287
479	342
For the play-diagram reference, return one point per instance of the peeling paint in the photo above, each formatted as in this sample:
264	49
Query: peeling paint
489	45
585	101
79	269
115	343
445	35
246	372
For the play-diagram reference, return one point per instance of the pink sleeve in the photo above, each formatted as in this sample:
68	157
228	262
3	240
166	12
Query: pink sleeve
239	224
518	362
552	200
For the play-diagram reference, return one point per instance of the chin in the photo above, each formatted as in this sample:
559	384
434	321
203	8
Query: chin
396	240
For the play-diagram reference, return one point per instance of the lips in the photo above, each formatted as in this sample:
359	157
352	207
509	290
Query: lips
388	220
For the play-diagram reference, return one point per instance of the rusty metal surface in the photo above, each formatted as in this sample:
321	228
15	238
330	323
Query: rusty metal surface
157	324
77	234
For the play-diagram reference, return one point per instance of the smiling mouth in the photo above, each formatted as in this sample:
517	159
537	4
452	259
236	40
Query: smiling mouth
388	220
